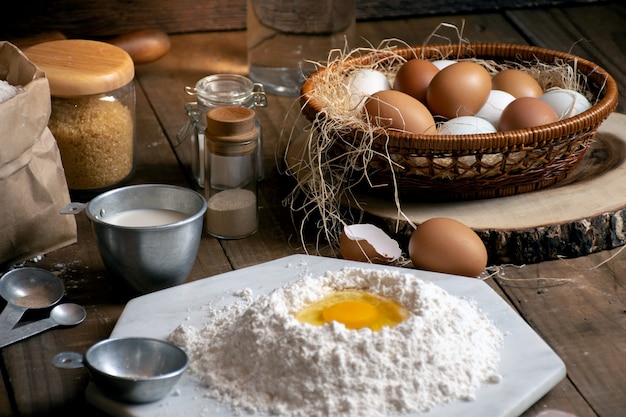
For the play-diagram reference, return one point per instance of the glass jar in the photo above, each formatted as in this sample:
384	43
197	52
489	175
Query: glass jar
231	143
93	111
216	91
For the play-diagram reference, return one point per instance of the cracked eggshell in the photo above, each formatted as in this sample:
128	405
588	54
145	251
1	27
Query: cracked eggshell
368	243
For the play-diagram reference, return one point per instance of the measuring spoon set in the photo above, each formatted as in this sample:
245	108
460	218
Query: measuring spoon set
33	288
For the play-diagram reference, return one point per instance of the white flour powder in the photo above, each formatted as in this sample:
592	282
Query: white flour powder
256	357
7	91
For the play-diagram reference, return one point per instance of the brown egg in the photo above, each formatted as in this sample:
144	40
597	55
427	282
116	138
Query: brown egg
460	89
517	83
393	109
414	76
446	245
526	112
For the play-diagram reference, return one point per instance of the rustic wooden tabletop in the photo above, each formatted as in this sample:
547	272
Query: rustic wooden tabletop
577	305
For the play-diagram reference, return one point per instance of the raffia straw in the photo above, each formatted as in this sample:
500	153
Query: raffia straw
497	272
327	191
609	259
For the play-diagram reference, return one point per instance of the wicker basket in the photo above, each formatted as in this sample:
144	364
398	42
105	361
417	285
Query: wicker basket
464	167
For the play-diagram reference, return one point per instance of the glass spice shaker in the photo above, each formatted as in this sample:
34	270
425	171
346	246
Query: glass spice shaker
93	111
216	91
231	143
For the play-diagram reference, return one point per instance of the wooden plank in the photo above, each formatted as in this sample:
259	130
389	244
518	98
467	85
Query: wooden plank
590	298
47	394
488	27
89	18
573	304
581	31
80	19
372	9
5	401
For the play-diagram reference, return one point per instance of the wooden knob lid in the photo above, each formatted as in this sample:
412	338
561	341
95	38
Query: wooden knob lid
77	67
231	124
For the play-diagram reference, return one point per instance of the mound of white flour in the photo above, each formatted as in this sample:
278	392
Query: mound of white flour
7	91
257	357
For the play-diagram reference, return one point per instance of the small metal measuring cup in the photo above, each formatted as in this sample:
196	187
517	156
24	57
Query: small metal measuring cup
130	369
27	288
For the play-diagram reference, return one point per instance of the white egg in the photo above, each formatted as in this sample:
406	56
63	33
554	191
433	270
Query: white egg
466	125
496	102
442	63
566	103
364	82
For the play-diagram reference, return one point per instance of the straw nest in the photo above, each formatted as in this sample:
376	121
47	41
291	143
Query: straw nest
340	151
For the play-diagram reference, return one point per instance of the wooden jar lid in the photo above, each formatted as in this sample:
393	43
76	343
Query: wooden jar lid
77	67
231	124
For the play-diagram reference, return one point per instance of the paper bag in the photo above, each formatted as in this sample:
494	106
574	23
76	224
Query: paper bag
33	187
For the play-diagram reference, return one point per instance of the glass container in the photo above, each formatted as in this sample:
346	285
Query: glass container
216	91
231	143
93	111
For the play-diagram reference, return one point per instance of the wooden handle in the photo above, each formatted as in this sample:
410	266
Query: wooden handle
143	46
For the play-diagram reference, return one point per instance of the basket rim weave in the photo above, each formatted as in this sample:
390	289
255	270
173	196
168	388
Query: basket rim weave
587	120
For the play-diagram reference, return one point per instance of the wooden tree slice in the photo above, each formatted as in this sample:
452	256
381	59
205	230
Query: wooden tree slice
582	214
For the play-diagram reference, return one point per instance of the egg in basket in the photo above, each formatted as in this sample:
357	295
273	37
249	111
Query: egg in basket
427	145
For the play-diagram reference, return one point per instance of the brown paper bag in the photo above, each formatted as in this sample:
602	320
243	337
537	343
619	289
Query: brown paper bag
33	188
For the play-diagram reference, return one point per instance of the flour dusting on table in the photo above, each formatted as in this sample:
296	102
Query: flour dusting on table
256	357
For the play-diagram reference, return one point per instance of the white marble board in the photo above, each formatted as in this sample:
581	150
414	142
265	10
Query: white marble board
529	367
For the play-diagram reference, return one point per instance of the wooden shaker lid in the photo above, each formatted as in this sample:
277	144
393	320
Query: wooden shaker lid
231	124
77	67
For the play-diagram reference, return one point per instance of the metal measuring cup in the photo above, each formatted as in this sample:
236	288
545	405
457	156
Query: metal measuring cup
27	288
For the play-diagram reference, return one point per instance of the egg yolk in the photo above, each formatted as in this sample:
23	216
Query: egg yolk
354	314
355	309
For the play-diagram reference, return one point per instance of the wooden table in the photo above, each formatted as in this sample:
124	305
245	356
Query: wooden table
577	305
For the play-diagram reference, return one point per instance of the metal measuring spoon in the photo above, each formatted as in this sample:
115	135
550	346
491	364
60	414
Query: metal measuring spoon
67	314
25	288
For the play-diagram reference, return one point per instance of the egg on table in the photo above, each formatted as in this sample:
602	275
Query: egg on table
448	246
355	309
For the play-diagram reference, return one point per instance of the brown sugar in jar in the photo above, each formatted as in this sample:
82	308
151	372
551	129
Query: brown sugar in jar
93	110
